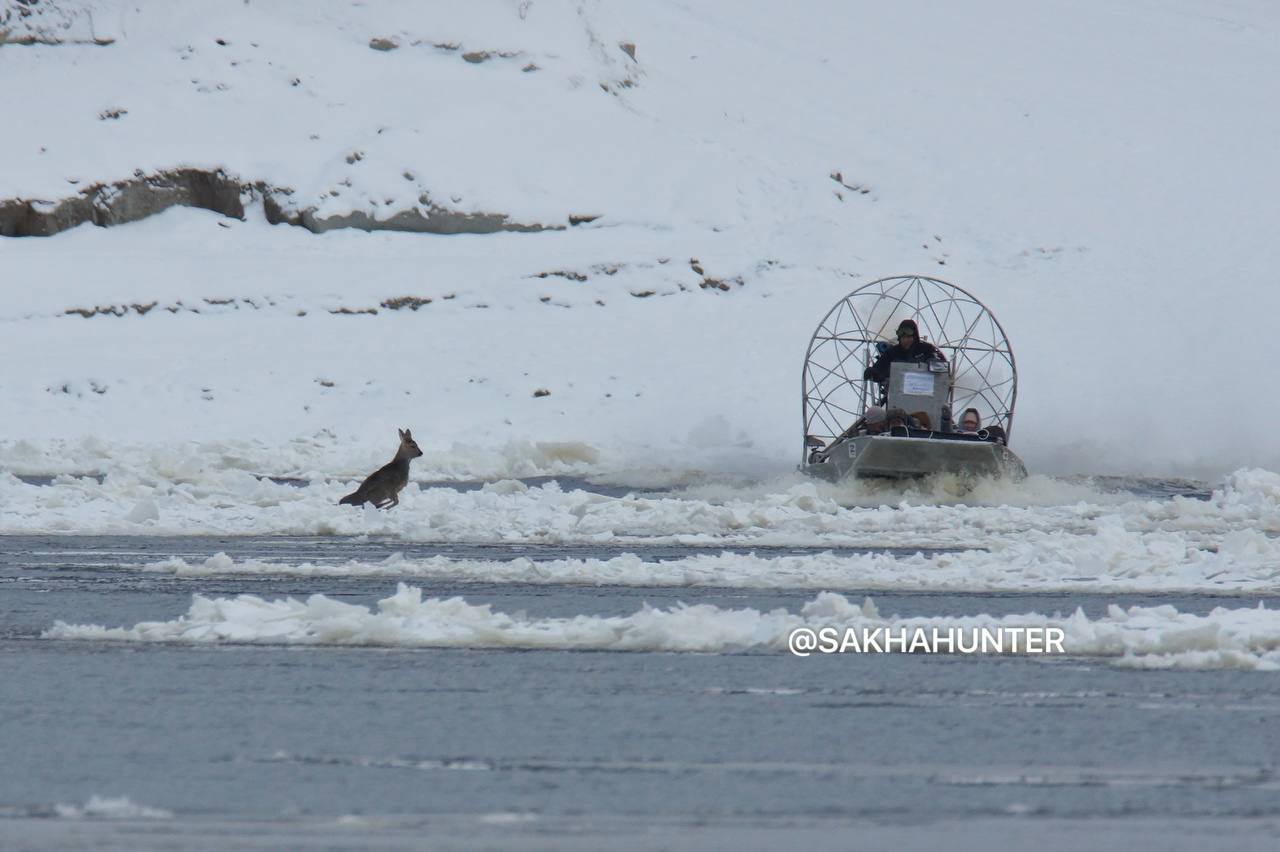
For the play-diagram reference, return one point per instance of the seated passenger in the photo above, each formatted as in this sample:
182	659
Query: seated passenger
900	419
971	422
872	422
910	348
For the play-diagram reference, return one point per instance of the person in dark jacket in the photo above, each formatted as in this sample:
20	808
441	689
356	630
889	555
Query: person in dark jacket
910	348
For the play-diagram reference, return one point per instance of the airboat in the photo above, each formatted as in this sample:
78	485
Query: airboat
921	402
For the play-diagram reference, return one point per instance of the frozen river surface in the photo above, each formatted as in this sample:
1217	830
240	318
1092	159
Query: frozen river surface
364	691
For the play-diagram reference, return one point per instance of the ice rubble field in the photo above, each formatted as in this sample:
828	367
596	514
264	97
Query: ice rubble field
1039	534
1220	545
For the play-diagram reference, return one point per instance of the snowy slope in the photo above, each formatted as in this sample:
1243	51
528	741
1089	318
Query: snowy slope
1101	175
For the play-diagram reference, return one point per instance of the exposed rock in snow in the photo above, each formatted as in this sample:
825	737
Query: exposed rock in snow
52	23
213	189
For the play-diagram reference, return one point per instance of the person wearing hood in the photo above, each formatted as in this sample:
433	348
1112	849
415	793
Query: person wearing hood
971	422
910	348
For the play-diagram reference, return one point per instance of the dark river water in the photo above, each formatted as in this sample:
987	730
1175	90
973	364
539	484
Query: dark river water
258	747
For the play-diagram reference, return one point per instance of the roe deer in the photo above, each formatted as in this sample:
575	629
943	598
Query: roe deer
383	485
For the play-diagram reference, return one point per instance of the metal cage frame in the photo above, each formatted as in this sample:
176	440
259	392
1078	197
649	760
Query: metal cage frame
984	374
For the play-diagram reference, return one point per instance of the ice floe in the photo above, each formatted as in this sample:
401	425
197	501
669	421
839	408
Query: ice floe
1112	560
1149	637
110	807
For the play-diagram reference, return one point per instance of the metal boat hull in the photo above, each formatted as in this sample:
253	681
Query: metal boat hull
894	457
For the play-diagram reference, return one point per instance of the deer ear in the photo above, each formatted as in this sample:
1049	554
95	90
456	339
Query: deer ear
401	433
408	434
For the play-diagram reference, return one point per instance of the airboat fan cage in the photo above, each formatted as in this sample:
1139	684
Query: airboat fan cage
984	375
